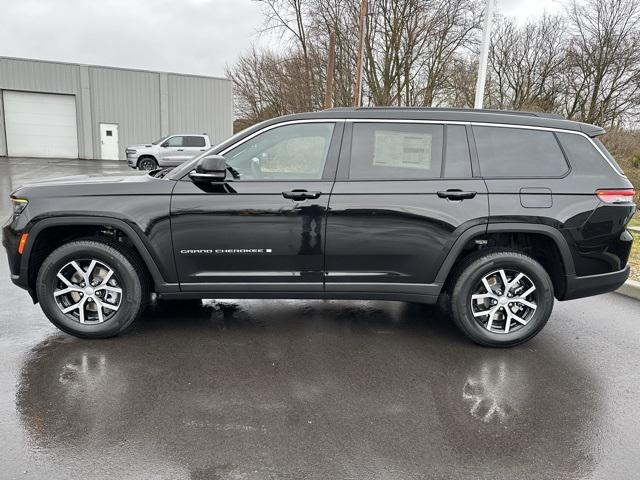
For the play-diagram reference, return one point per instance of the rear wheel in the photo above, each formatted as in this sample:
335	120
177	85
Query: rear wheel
147	163
92	289
501	298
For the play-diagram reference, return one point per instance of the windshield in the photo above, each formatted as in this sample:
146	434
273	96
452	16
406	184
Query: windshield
160	140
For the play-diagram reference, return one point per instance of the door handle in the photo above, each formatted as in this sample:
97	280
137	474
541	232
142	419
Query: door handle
180	150
455	194
301	195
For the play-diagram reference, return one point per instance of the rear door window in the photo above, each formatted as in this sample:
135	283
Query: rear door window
458	159
518	152
392	151
194	141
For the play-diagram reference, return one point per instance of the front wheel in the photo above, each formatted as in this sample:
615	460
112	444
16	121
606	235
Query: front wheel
147	163
501	298
91	288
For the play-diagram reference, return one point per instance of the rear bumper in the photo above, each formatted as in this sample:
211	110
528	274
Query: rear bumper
579	287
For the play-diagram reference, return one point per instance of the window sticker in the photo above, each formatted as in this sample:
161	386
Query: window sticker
402	150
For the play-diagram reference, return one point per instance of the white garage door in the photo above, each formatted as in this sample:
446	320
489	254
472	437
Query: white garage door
40	125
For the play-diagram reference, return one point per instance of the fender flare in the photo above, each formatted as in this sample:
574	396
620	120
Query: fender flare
553	233
139	242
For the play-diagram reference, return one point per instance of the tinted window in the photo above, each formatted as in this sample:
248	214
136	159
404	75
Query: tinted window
395	151
290	152
518	152
194	141
174	142
458	161
606	152
583	155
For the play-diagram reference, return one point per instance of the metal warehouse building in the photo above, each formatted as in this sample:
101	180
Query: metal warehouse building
66	110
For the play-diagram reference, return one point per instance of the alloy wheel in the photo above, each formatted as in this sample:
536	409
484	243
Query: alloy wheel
504	301
87	291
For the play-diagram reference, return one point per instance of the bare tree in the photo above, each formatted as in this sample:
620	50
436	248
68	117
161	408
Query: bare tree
268	85
452	29
602	75
584	64
526	63
291	16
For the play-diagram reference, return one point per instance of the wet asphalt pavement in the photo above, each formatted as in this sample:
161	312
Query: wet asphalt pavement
254	389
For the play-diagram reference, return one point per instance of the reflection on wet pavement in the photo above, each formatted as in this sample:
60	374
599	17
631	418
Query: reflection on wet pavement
254	389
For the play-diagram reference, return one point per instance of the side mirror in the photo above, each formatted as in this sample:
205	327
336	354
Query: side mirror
212	168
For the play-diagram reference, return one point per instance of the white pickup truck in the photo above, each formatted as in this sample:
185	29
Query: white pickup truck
167	151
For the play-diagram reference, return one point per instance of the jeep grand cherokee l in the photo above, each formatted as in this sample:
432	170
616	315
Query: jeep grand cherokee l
500	211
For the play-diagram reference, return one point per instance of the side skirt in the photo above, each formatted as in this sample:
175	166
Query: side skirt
403	297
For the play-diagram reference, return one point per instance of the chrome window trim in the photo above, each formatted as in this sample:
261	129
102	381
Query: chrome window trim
552	129
437	122
486	124
282	124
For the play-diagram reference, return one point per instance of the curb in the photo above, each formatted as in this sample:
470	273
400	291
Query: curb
631	288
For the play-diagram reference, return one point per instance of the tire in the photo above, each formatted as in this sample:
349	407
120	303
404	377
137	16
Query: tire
470	297
147	163
104	321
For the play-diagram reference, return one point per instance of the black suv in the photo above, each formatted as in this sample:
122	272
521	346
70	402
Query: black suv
496	212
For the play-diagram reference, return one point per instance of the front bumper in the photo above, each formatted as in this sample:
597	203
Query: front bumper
10	240
587	286
132	159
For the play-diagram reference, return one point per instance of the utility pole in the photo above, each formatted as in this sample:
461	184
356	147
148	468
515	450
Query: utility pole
357	90
328	92
484	54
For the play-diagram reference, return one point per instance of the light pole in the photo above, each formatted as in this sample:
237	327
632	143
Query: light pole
357	89
484	53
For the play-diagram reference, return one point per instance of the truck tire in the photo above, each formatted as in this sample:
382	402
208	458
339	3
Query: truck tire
147	163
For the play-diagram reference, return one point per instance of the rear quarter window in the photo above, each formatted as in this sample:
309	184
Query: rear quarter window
518	152
585	157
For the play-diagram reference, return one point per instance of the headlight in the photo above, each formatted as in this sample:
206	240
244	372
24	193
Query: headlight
19	204
127	151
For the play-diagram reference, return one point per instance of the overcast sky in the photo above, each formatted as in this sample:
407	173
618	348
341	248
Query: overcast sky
187	36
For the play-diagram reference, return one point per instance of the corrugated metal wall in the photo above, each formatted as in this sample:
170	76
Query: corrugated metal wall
130	99
3	143
145	105
200	105
39	76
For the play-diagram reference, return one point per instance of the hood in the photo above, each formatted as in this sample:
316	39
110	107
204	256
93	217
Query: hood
93	185
141	145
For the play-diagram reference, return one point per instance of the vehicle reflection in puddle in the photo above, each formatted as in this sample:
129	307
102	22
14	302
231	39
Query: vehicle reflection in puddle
495	393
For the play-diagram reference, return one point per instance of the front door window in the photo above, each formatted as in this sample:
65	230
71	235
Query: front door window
290	152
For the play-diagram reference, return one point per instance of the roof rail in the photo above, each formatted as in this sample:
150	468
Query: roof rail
442	109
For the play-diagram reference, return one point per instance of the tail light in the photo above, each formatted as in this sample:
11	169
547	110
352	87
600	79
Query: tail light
623	195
